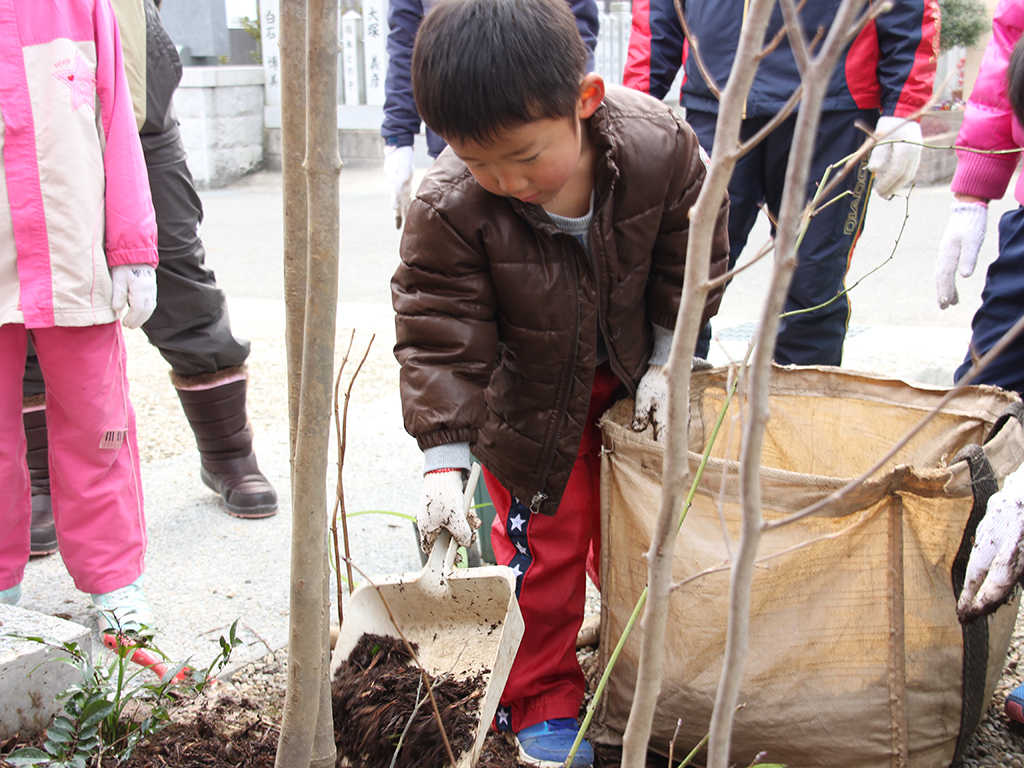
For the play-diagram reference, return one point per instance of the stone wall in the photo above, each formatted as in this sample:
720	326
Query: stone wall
221	114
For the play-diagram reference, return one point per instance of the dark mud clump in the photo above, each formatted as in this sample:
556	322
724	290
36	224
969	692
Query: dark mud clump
381	705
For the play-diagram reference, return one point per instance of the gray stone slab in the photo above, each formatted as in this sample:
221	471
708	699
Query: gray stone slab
31	673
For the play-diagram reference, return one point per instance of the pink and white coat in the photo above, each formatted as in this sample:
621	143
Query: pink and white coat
989	123
74	192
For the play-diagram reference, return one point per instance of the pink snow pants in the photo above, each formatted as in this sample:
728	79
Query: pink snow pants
94	460
551	557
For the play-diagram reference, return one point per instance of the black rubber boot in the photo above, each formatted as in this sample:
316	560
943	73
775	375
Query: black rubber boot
218	418
44	533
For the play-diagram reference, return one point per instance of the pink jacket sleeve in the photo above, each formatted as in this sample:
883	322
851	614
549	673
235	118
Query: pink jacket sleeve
989	123
131	223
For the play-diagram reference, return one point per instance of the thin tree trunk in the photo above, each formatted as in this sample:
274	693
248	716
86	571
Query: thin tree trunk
293	182
815	74
676	472
306	730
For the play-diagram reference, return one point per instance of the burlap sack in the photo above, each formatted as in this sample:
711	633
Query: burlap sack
856	657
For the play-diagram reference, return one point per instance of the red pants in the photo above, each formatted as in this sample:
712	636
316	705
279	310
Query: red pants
94	461
551	557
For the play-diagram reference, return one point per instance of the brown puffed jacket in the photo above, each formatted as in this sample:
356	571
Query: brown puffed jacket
497	310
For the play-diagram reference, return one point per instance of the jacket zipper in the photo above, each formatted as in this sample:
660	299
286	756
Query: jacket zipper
613	361
563	404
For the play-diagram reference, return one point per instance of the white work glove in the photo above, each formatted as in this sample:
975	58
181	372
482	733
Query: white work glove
398	168
651	401
997	557
134	287
442	506
959	248
894	165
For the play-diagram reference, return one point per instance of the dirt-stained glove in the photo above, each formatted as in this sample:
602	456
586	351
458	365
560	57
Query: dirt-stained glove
895	164
651	401
398	168
134	287
997	557
442	506
959	248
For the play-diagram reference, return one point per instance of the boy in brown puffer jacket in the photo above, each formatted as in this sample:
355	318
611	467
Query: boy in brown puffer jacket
542	267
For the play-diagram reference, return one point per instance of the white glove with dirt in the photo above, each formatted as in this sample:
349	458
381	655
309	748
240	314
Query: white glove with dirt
959	248
895	164
442	505
651	402
997	557
134	287
398	168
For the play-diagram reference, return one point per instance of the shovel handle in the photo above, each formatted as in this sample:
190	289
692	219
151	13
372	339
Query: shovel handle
442	555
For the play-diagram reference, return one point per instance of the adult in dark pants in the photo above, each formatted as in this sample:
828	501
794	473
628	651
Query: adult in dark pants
190	326
884	76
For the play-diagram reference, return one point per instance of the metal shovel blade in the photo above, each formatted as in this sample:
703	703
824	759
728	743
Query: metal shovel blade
463	622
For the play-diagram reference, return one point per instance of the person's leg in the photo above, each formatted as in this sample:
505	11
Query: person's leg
192	330
44	535
95	484
549	556
816	337
1002	304
746	193
15	504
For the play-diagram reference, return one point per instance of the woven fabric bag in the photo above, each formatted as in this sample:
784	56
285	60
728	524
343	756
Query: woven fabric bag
856	658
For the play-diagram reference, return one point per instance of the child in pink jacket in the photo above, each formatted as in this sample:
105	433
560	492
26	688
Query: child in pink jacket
77	245
990	128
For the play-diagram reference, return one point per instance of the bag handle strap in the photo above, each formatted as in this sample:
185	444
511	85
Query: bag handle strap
1012	411
975	635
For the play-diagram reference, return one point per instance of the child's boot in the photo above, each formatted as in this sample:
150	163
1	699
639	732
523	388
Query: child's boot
547	744
215	407
44	533
125	609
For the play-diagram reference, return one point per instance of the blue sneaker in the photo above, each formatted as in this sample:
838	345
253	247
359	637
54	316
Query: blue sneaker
11	596
124	610
1014	706
547	744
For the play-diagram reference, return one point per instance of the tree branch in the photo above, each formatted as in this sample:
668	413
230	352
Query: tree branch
815	82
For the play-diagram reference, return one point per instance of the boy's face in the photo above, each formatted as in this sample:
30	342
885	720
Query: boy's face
535	161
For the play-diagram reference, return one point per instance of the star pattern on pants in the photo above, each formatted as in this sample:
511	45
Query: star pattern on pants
82	82
517	530
504	718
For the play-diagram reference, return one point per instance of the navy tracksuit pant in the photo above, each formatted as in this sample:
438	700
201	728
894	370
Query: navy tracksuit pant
1002	303
816	337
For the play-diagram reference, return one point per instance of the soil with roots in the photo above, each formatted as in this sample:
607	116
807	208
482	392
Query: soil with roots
385	716
235	723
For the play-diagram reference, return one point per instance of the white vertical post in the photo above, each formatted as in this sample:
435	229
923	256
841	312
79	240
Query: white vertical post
375	57
270	28
621	23
601	64
350	56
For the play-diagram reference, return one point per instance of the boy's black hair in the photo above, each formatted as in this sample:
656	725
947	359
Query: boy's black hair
1015	80
482	67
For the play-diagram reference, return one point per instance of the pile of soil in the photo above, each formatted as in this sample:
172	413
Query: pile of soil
381	704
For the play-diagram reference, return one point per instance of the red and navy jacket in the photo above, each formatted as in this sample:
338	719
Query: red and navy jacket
889	66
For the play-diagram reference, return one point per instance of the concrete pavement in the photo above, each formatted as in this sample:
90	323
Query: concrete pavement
206	569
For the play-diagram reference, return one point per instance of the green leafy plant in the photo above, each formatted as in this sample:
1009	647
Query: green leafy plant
252	28
963	23
116	705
